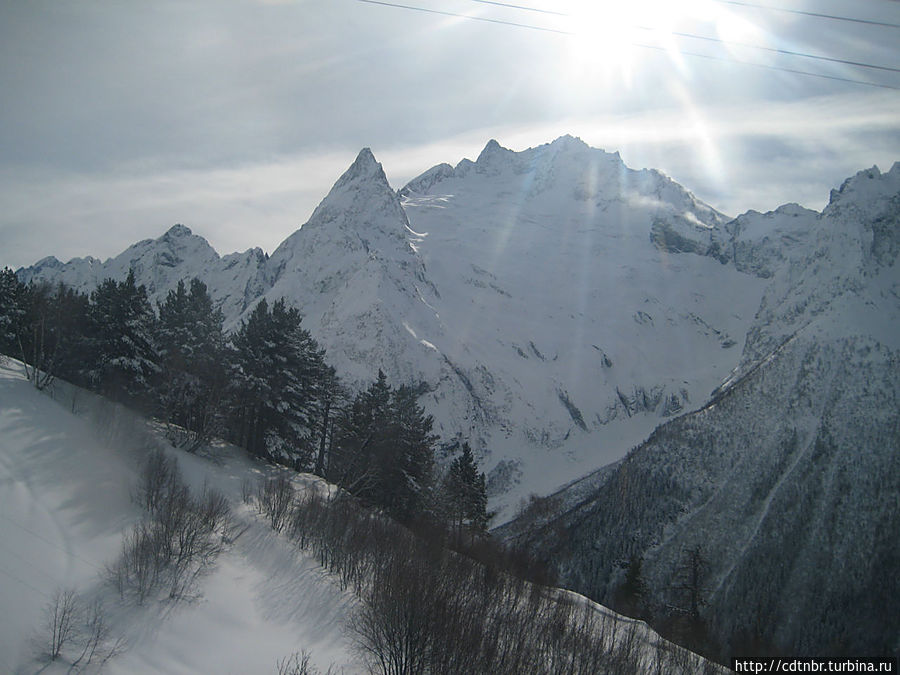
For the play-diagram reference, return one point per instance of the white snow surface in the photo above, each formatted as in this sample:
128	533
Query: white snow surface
69	462
65	501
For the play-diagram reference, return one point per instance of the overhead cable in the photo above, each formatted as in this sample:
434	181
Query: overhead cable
725	59
741	3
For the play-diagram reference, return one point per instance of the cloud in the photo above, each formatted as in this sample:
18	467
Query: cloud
100	214
769	154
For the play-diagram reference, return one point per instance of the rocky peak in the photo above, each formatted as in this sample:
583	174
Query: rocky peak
177	231
361	217
361	200
365	169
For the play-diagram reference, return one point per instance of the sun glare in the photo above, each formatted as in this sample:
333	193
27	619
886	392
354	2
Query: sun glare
609	34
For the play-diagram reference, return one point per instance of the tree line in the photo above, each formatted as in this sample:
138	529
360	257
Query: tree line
266	387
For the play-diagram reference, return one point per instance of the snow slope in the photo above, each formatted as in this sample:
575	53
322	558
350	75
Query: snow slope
65	500
68	465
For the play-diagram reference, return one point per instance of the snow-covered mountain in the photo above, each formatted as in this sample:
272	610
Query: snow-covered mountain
355	274
557	304
234	280
788	479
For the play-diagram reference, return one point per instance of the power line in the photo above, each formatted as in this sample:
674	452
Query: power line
742	3
527	9
832	17
23	583
770	67
466	16
705	38
775	50
51	543
711	57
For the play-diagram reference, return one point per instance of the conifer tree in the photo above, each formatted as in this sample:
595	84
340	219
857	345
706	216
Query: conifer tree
465	494
123	358
277	374
408	464
330	399
12	311
44	326
384	451
362	433
191	347
631	597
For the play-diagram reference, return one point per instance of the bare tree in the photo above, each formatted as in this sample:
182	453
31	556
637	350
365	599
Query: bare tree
275	497
298	663
60	618
95	640
156	477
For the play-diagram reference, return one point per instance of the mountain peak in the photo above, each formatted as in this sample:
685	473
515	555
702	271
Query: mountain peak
365	168
870	191
492	148
365	156
357	210
178	231
569	141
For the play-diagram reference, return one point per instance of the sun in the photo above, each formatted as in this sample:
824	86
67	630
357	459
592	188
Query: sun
610	34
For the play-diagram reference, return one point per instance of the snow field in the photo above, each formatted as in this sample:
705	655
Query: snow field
65	500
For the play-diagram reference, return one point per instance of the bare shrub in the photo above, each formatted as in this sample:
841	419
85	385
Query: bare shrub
95	640
156	477
298	663
215	512
77	634
140	565
60	619
274	499
247	491
425	608
181	537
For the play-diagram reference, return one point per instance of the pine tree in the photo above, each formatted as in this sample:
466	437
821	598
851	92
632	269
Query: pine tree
363	431
191	348
12	311
690	595
408	465
47	331
384	450
329	401
631	597
277	375
123	358
465	494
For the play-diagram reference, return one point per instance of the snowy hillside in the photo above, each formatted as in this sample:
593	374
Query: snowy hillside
557	304
66	484
788	480
69	471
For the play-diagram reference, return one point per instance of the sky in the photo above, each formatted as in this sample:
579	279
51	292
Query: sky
235	117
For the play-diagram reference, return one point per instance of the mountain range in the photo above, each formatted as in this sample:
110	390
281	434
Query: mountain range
556	304
694	382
